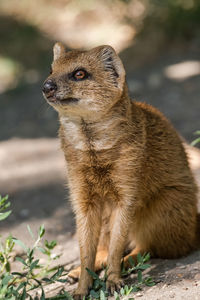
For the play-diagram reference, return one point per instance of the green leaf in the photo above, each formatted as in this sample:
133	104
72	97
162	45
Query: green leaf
46	279
50	245
20	243
31	232
41	231
105	276
96	284
22	285
42	295
122	291
195	142
131	261
102	295
57	274
18	274
3	200
44	251
128	290
143	267
23	297
94	294
6	279
146	257
93	274
139	276
136	288
7	266
62	280
4	215
139	258
34	264
9	243
21	260
149	281
30	254
116	295
6	205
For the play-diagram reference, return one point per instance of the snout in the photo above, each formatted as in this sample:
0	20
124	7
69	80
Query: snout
55	96
49	88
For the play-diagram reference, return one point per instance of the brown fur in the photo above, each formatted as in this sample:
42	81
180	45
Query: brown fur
128	175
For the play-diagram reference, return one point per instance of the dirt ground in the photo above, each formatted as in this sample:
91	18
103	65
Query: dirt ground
33	169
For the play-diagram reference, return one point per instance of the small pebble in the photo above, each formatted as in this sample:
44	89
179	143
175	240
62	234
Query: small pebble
182	267
139	294
164	286
171	294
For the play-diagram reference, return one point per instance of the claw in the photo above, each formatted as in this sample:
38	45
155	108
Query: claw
114	285
79	294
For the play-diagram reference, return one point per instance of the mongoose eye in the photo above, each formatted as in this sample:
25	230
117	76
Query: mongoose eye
80	74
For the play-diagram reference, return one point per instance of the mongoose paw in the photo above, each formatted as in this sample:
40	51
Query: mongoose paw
79	294
74	275
114	284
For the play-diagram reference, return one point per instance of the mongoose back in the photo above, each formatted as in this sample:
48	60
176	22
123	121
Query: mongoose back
130	184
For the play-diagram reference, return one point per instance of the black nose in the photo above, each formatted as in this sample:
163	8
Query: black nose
49	86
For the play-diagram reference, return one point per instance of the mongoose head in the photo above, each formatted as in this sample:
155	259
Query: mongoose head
84	83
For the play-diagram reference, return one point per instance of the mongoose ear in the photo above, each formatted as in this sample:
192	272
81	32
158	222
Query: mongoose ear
112	64
58	50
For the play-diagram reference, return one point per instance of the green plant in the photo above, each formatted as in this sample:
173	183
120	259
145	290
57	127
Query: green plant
197	140
33	275
17	285
98	290
7	245
4	205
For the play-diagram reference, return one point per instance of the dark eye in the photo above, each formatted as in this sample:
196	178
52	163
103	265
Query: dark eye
79	75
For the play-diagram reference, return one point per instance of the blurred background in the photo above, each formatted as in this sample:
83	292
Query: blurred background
159	43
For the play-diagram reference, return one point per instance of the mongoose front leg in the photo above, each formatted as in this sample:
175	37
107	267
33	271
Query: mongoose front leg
88	228
117	244
100	262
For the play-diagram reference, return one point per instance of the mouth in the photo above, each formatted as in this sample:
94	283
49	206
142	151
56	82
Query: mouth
55	100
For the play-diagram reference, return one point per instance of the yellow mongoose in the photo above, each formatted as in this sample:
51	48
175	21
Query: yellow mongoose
128	175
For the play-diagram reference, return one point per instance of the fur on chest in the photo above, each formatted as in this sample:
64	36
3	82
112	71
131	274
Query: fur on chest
87	137
92	179
90	160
